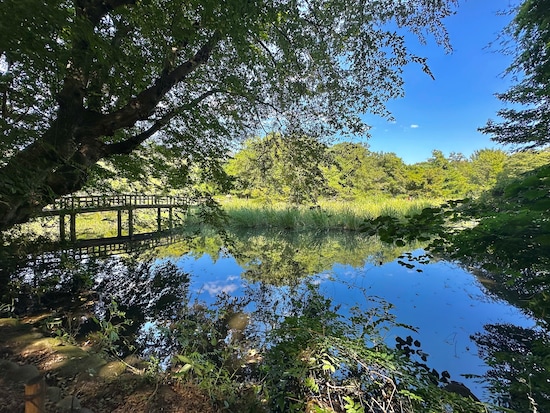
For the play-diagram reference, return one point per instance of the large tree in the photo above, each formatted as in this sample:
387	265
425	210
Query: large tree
89	80
278	167
527	122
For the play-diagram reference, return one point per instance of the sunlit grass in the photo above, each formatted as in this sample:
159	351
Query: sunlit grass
242	213
92	225
327	215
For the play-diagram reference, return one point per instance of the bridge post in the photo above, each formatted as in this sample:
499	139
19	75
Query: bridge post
170	221
72	227
159	221
130	222
62	227
119	223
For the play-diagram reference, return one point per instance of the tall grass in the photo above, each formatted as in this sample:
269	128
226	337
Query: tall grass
328	215
243	214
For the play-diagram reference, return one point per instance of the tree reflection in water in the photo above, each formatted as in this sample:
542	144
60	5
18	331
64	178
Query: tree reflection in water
166	320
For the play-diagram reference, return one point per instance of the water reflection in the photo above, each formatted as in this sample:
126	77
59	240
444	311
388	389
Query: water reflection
444	303
176	290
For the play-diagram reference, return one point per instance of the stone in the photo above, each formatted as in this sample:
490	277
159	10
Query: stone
24	373
69	404
7	367
53	394
112	369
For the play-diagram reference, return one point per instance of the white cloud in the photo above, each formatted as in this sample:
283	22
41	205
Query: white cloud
214	288
414	126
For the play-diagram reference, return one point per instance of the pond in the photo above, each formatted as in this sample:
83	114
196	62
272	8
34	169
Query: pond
440	304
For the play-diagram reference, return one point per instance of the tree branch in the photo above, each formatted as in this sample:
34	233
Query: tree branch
144	104
128	145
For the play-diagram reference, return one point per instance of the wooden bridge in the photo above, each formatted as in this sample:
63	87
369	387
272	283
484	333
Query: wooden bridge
74	205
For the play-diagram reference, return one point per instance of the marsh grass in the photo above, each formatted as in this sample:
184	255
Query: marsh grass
242	214
327	215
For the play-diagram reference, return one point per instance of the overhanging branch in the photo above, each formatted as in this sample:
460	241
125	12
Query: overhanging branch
143	105
127	146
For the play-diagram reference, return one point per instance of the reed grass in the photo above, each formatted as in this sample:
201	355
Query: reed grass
327	215
244	214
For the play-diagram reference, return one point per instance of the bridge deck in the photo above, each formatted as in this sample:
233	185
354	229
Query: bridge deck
98	203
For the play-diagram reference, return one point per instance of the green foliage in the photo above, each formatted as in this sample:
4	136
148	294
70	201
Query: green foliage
350	172
486	167
506	240
65	327
212	351
87	82
519	360
319	357
431	222
353	171
280	168
529	125
111	327
513	229
327	215
298	352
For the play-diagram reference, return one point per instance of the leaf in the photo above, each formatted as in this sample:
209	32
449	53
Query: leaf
183	359
311	384
328	366
185	368
411	395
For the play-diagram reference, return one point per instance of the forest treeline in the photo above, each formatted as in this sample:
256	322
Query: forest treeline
298	169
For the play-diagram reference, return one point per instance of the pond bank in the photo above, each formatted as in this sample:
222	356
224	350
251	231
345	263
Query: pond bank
76	375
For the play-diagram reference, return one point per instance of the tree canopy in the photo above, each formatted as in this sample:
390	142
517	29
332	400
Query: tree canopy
301	170
89	80
527	122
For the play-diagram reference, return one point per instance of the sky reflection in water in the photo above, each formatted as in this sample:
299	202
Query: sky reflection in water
445	303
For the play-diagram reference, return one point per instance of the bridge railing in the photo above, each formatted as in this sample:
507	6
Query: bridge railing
75	203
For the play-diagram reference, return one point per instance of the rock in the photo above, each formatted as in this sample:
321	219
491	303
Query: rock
69	404
136	362
9	322
7	367
112	369
53	394
24	373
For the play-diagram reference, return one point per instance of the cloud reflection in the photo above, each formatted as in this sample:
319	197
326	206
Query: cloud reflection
215	288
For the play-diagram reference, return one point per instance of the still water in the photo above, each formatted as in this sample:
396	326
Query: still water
444	303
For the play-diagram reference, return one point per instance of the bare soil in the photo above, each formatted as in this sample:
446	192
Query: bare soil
76	375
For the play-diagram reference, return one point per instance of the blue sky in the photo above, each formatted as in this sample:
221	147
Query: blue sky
445	113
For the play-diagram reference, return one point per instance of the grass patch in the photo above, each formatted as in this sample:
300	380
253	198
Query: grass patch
328	215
